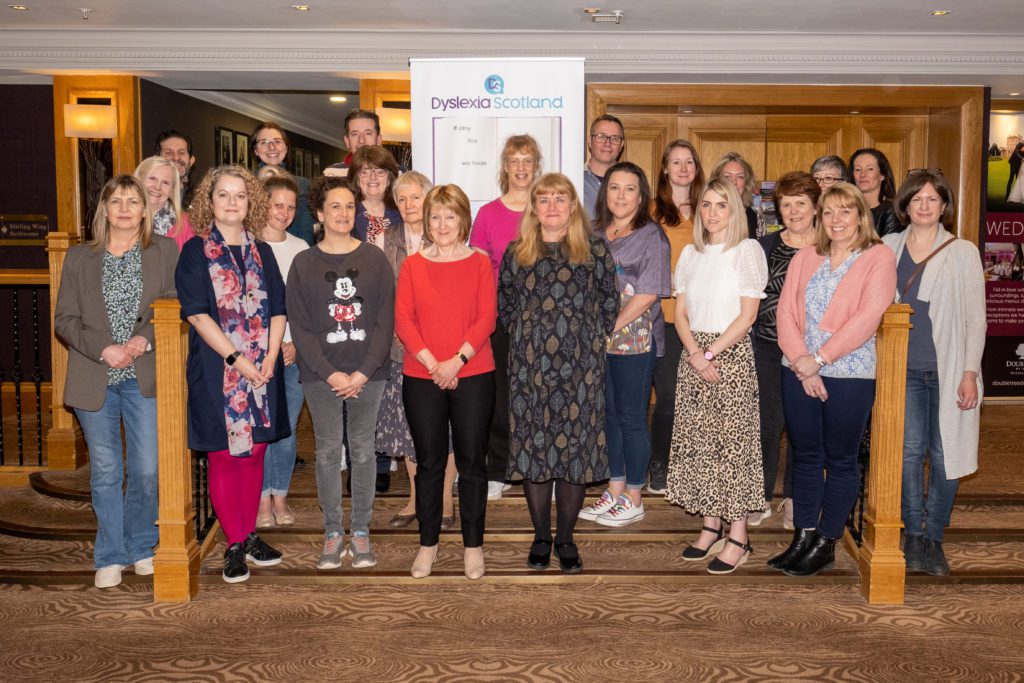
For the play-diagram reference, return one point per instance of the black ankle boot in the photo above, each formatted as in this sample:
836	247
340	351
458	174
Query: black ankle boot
801	542
821	554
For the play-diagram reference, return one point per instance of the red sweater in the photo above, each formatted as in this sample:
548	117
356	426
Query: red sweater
438	306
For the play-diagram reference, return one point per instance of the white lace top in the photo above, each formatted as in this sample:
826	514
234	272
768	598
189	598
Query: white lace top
714	281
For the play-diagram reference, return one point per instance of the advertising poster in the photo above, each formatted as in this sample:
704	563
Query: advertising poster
1003	255
463	111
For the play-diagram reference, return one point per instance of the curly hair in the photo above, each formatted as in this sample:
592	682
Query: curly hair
201	211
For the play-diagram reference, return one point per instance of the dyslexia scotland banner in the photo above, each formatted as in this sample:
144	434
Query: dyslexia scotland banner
463	111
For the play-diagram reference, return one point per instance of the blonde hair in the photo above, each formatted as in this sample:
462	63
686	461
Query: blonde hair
447	197
524	144
529	248
736	231
844	196
201	210
144	169
748	184
101	223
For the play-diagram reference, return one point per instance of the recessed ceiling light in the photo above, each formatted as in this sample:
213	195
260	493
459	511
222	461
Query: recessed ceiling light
591	10
854	111
939	13
338	98
687	111
19	7
300	8
1014	94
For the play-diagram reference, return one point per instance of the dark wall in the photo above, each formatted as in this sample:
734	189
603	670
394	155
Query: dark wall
163	108
30	179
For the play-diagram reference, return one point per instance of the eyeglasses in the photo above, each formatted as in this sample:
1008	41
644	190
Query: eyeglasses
373	172
269	142
521	163
934	171
603	138
826	179
733	177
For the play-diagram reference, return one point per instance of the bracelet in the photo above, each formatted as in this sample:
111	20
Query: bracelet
230	360
462	357
820	361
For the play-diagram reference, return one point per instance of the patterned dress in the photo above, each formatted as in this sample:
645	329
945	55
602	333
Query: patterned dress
558	316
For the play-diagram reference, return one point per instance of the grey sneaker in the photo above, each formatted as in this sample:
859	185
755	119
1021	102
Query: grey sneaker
334	550
362	552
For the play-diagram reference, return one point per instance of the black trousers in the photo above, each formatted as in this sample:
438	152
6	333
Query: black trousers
768	364
497	441
430	410
666	373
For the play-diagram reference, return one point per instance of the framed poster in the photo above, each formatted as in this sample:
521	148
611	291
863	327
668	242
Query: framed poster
242	150
224	140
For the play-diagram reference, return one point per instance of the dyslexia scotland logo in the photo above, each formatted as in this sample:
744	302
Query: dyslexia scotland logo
494	84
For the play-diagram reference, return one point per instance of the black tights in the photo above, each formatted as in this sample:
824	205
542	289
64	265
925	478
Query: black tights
568	501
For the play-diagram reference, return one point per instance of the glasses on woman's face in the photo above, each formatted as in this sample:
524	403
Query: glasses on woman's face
826	179
269	142
372	173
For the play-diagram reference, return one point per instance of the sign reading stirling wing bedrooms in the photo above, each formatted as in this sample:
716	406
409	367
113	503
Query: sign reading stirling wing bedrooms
23	229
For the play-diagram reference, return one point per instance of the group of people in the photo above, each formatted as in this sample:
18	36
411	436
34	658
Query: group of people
524	345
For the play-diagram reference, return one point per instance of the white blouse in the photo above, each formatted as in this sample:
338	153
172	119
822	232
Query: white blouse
714	281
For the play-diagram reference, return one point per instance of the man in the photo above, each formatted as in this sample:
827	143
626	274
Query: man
176	147
362	129
606	144
1016	157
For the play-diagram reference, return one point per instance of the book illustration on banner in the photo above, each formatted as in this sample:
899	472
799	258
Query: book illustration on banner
467	149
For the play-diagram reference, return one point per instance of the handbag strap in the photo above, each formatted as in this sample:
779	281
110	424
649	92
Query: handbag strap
920	266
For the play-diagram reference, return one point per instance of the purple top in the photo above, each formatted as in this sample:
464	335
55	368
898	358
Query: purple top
642	266
495	227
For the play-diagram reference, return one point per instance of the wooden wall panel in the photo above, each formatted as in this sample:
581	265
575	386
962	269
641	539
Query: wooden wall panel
903	139
794	142
646	137
714	136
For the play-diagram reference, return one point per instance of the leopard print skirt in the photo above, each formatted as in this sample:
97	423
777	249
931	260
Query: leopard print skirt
715	465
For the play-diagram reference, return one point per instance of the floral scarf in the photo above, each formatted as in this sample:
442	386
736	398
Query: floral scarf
244	315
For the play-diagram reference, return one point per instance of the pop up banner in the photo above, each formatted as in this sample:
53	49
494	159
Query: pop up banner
1003	364
463	111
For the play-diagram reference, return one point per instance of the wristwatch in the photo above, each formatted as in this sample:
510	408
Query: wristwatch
820	361
708	355
230	360
463	358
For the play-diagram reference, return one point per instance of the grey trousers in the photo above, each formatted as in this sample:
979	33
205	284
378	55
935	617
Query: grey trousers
327	412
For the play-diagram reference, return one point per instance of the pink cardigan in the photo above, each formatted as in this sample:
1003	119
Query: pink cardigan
856	308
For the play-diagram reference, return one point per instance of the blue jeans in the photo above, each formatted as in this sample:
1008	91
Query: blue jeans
279	461
920	436
627	392
125	523
826	439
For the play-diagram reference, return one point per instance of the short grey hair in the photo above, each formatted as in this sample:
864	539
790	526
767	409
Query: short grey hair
830	161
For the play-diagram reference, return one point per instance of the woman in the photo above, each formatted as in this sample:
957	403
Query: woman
232	294
715	466
734	169
371	174
103	314
163	196
679	186
831	303
559	303
641	253
796	202
872	175
341	295
444	314
941	278
828	170
393	435
270	145
279	461
496	225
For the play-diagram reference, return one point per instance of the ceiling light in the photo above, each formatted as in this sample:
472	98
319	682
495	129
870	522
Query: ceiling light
611	17
1014	94
338	98
85	12
687	111
19	7
591	10
939	13
300	8
854	111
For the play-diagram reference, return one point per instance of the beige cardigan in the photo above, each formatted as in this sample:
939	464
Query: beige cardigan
953	284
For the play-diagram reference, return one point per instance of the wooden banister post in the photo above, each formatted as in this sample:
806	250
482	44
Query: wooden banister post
65	445
882	566
176	577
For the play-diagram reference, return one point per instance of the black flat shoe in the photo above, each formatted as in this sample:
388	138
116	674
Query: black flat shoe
569	558
801	542
694	554
383	482
821	554
259	553
235	569
717	566
540	555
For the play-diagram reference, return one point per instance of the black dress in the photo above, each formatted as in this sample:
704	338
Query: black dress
559	316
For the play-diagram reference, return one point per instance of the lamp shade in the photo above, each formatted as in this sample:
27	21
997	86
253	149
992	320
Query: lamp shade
395	124
90	121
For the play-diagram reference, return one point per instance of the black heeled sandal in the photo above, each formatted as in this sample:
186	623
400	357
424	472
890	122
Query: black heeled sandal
717	566
693	554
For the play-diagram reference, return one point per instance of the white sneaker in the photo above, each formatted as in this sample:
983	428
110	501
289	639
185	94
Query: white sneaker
786	508
495	489
602	505
109	576
623	513
755	518
144	567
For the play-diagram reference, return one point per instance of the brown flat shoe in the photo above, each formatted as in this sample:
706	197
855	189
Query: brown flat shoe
401	521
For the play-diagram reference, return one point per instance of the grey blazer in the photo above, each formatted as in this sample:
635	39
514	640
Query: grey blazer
81	321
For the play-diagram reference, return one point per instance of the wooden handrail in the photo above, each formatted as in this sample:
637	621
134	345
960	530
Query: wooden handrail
65	446
25	277
176	577
882	565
